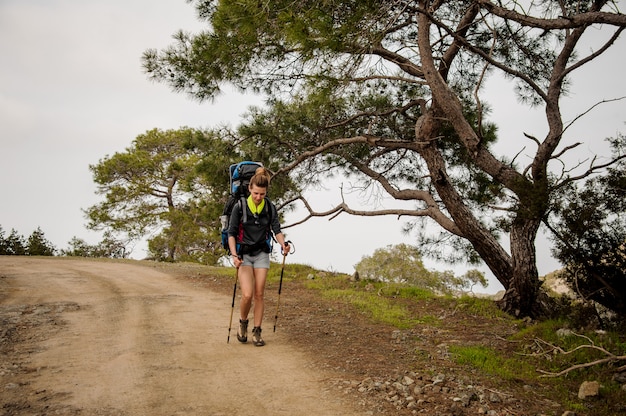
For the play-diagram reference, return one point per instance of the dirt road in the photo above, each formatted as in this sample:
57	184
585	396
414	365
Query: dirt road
136	341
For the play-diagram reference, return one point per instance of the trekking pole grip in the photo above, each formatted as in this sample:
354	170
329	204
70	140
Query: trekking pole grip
292	248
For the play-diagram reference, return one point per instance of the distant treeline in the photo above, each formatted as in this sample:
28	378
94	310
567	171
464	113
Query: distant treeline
36	244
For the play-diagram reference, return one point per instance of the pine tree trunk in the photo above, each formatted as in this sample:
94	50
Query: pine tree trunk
518	271
522	293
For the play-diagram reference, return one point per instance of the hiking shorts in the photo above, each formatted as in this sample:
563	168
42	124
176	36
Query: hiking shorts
257	261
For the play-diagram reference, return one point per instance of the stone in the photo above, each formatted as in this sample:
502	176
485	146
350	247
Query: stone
439	378
588	389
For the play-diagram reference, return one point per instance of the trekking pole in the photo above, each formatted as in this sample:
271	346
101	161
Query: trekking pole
280	285
232	307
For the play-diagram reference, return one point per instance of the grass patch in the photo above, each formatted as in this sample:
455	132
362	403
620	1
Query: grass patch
486	308
405	292
378	308
382	302
293	271
488	361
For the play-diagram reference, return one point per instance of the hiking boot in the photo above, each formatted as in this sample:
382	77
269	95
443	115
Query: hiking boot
242	332
256	337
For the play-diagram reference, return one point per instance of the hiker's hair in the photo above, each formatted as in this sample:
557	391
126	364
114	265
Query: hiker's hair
261	178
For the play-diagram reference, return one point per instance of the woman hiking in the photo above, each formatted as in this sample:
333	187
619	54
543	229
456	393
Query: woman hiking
250	230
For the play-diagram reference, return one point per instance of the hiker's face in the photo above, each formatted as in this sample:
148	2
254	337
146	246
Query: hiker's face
257	193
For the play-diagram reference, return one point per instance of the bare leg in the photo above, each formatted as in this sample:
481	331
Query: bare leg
246	282
260	275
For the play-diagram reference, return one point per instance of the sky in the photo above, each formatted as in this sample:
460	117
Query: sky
72	92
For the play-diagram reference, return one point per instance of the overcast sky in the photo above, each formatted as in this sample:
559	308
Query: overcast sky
72	91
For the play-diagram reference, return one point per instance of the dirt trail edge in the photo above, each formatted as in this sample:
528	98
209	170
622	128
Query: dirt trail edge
136	341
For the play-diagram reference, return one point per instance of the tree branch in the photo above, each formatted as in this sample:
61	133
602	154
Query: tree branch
581	115
403	63
562	22
488	58
405	194
343	207
595	54
610	357
591	170
401	110
321	149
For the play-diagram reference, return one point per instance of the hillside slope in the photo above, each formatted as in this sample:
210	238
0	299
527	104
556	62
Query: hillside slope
349	360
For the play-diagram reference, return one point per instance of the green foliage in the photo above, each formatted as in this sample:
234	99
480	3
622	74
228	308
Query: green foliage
470	279
490	362
156	185
293	271
589	226
4	248
379	308
80	248
379	301
553	347
38	245
481	306
407	292
376	301
402	263
395	263
560	332
109	247
16	245
172	185
376	92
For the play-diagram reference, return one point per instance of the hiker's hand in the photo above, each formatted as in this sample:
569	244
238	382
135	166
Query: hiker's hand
237	261
285	249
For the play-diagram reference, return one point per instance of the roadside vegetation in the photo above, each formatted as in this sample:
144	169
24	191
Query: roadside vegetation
575	346
555	355
561	353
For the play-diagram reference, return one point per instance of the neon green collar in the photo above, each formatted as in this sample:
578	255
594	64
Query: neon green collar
254	209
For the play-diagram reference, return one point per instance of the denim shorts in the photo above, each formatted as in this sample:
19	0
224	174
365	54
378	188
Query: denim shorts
257	261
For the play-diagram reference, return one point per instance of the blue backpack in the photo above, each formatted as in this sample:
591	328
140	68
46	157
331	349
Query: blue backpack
240	175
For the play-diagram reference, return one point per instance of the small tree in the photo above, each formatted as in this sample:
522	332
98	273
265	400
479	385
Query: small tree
38	245
154	187
109	247
470	279
3	243
402	263
15	244
399	263
172	185
590	238
78	248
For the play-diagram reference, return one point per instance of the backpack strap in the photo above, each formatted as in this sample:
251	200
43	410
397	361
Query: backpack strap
244	209
270	212
268	204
